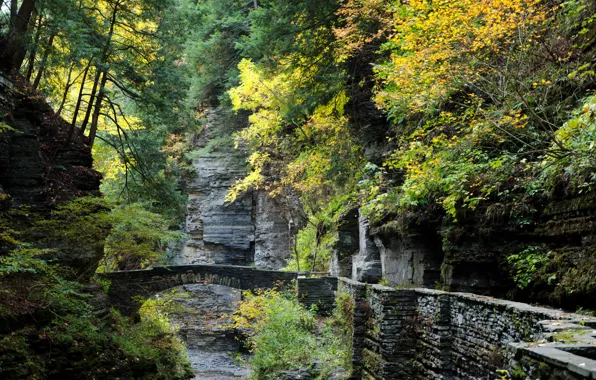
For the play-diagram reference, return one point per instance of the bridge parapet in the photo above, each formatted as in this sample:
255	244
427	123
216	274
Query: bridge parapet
127	287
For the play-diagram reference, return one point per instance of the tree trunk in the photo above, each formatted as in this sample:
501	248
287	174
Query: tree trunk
91	100
33	52
97	111
80	98
66	88
17	50
77	106
104	72
44	60
14	7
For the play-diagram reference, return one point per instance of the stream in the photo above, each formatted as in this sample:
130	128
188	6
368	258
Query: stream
213	350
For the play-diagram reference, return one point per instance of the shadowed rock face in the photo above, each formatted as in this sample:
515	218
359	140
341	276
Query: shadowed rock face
348	244
41	168
37	167
218	233
272	237
367	263
410	260
252	229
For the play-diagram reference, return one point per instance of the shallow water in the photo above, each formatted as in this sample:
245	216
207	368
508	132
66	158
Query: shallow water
213	350
216	366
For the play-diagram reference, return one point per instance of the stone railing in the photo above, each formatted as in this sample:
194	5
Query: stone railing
424	333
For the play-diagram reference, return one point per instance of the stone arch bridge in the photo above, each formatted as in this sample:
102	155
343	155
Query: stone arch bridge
127	286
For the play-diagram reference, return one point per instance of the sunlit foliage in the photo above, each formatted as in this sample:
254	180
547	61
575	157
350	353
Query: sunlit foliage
317	152
440	46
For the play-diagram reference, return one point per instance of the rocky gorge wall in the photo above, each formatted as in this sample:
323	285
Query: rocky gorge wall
251	230
365	254
431	334
38	167
201	314
472	256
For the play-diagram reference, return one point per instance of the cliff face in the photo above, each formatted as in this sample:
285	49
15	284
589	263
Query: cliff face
218	233
37	167
473	256
41	169
272	233
251	229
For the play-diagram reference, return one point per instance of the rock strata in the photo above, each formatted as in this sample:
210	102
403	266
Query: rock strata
272	236
252	229
367	263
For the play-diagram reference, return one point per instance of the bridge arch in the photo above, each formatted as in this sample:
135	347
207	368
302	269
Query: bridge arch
128	287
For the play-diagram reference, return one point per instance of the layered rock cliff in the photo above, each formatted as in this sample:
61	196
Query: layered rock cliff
251	230
471	256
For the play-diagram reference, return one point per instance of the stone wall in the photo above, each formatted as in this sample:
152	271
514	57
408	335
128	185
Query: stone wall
422	333
319	292
360	316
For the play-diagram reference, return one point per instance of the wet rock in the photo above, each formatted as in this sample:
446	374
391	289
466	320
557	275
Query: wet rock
252	229
366	266
213	349
272	236
218	232
348	244
298	374
410	260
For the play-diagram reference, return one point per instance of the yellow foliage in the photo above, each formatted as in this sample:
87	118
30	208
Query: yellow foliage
364	21
252	311
441	45
302	159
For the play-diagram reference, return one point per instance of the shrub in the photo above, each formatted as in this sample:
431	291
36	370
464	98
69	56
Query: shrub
283	336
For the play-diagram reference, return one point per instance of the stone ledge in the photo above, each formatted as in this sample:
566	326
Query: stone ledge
463	335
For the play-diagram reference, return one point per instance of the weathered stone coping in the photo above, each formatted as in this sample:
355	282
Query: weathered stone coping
459	332
582	329
555	355
544	312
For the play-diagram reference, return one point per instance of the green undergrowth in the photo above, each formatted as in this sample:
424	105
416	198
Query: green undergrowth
284	336
59	336
54	317
53	331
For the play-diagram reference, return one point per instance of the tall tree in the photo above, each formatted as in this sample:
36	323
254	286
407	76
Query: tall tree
17	33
